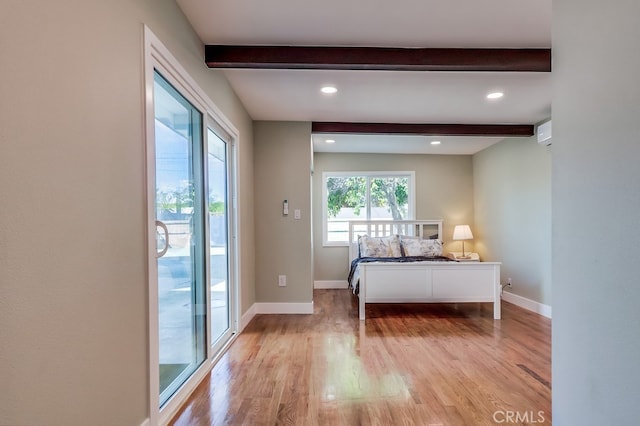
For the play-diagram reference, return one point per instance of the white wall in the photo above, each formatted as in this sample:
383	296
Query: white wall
73	280
512	205
596	205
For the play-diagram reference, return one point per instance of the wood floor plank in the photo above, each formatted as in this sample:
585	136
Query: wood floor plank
407	364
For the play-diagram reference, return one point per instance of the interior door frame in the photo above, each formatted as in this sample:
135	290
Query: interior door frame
158	57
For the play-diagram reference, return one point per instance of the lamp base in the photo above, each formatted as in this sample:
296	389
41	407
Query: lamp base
468	256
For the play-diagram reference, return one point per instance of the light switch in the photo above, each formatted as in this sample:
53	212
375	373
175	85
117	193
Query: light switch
296	214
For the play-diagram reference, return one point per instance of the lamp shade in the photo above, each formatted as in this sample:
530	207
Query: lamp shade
462	232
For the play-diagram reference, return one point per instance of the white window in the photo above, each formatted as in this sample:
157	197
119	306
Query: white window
351	196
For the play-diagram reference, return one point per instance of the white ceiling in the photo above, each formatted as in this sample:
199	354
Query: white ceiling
385	96
402	144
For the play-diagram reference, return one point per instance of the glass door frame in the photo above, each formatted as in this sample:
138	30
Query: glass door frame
157	57
179	171
216	346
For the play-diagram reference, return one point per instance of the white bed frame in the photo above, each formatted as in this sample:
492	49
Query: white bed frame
421	282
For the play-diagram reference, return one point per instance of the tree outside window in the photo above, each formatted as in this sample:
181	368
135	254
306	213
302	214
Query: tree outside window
364	196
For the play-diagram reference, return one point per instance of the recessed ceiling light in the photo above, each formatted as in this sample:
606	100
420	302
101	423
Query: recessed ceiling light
435	142
329	141
328	89
495	95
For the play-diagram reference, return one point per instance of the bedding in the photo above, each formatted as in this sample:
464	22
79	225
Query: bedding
420	247
398	246
380	246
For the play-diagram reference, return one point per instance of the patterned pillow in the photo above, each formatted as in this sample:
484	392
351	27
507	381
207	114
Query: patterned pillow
420	247
380	247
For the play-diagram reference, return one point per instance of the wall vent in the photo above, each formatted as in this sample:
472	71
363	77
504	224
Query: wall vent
543	131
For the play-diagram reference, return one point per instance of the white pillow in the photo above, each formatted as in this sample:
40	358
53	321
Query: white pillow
421	247
380	246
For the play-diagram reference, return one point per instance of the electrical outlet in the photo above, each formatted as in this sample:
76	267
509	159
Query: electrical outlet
282	280
509	282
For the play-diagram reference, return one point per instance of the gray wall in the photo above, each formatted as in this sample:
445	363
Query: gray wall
73	267
512	205
283	244
596	200
444	190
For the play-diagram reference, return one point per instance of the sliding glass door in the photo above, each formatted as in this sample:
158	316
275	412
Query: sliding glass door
192	231
180	229
218	199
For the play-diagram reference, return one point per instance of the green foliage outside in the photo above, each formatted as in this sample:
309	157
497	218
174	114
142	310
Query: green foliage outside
216	208
175	201
351	192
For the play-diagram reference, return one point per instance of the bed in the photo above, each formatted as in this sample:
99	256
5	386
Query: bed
402	262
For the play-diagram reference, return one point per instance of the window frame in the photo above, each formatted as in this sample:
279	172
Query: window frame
411	207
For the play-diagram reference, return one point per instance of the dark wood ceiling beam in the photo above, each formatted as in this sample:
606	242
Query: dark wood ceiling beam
501	130
377	58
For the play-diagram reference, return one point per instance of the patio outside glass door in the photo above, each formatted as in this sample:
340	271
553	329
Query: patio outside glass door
180	237
217	160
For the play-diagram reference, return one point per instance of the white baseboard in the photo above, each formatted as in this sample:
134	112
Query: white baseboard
247	317
284	308
330	284
528	304
146	422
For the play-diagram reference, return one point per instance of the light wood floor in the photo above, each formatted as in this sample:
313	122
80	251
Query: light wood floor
445	364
